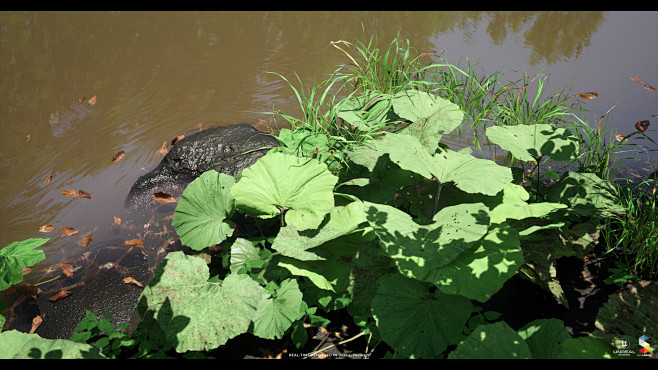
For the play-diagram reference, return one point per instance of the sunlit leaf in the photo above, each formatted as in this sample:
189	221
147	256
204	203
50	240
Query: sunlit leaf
17	255
69	231
620	137
61	294
531	142
588	95
27	138
83	194
92	101
48	180
177	139
163	197
86	240
69	193
133	243
117	220
81	100
275	315
118	157
202	213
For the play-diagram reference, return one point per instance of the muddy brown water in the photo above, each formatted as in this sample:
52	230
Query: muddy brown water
157	75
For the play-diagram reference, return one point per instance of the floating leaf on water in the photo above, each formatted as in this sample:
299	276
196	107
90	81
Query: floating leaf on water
69	231
588	95
163	149
92	101
637	80
46	228
649	87
70	193
118	157
83	194
67	269
164	197
86	240
177	139
27	138
131	280
61	294
117	220
620	137
48	180
642	125
82	100
133	243
36	321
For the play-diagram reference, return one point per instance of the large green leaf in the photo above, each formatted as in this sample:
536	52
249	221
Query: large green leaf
195	314
17	255
470	174
18	345
492	341
202	211
368	111
328	274
480	272
340	221
416	321
544	337
514	205
586	194
275	315
432	116
278	182
530	142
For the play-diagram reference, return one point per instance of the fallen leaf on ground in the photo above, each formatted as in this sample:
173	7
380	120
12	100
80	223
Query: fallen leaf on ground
86	240
36	321
61	294
48	179
177	139
163	150
131	280
69	231
118	157
117	220
92	101
67	269
642	125
46	228
133	243
164	197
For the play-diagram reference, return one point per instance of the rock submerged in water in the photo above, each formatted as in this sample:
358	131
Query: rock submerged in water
228	150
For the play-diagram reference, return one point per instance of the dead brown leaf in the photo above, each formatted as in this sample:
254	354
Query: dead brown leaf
92	101
177	139
163	149
133	243
642	125
131	280
117	220
46	228
67	269
83	194
588	95
81	100
36	321
48	180
61	294
69	231
118	157
163	197
70	193
86	240
620	137
27	138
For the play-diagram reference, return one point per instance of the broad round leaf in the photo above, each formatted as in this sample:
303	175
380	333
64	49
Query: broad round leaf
17	255
492	341
278	181
201	213
195	314
415	321
530	142
275	315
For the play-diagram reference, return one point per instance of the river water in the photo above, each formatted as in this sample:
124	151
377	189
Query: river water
156	75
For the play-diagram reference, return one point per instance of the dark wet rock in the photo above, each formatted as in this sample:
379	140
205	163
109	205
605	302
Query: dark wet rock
227	150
